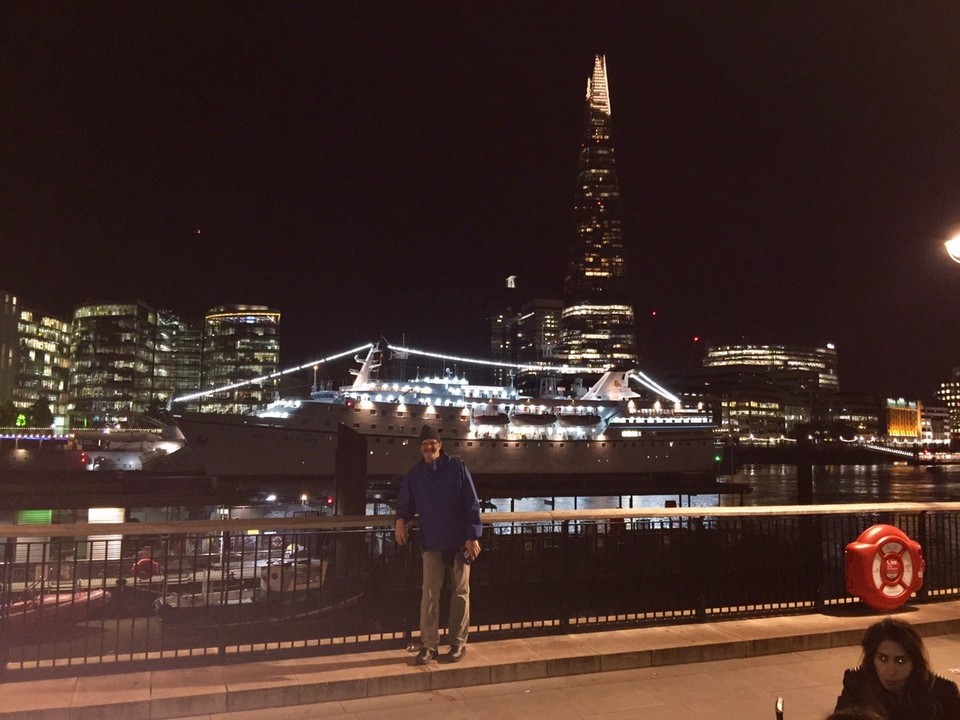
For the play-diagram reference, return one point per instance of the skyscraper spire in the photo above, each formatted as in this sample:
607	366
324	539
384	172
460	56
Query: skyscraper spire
598	92
597	324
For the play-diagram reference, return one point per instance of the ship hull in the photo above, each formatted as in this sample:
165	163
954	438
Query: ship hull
248	445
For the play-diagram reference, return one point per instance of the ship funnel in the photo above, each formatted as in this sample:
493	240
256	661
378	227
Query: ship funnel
366	369
613	385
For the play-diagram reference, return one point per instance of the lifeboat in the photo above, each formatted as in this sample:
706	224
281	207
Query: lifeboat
490	418
579	419
533	418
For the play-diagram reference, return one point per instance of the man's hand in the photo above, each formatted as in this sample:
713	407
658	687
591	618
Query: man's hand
474	547
400	532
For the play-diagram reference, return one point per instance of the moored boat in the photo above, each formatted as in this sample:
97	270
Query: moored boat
54	608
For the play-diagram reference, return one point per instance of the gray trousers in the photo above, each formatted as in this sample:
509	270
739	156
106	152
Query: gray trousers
434	574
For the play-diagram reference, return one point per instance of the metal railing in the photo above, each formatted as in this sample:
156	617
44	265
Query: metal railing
77	597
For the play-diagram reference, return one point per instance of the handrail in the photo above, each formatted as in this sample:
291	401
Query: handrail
358	522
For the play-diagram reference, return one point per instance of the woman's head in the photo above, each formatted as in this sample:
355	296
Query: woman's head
855	714
894	654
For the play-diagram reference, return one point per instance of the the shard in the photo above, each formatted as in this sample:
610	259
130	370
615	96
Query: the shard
597	323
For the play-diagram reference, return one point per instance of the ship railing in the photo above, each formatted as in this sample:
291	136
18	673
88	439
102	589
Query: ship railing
149	594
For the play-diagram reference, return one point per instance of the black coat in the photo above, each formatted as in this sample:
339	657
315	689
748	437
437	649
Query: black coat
940	702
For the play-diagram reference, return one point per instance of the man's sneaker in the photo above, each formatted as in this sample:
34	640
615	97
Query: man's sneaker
424	656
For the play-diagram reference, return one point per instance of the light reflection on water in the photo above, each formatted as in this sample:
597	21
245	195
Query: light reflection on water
777	485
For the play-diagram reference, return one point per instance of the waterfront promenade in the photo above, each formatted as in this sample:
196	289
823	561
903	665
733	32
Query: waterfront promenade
720	670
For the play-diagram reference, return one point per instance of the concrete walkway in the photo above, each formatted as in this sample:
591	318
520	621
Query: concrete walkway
726	669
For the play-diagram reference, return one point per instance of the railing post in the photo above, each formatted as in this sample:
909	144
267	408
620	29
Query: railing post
814	537
922	536
410	623
224	572
9	555
697	528
568	574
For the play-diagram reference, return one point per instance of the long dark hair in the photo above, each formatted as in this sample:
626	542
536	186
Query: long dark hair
903	634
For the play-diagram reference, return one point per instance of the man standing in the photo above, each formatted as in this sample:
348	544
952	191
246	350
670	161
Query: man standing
439	488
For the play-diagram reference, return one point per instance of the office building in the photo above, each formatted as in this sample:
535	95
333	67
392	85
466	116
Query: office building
797	368
112	363
902	420
935	425
538	330
240	343
597	323
34	365
949	396
502	312
178	357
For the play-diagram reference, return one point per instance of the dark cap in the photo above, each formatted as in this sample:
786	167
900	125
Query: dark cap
428	433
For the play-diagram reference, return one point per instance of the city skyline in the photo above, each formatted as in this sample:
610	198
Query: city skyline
786	170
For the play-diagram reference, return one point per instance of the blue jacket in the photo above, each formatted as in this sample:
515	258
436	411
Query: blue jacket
442	493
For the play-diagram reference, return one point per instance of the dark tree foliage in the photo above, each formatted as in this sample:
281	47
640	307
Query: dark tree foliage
8	414
39	415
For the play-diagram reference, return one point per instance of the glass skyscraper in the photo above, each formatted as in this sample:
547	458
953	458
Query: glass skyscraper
34	350
597	322
112	358
240	344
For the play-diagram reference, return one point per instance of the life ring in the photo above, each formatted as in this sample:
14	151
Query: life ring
145	568
883	567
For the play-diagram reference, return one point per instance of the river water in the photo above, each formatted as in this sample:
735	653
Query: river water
777	485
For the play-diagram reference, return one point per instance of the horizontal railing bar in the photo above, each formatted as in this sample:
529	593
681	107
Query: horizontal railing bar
386	522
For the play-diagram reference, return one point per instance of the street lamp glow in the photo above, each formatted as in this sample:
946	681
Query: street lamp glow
953	248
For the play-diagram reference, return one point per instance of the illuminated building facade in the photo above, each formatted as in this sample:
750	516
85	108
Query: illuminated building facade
240	343
178	357
112	363
935	425
597	323
902	420
538	329
34	364
792	366
846	414
502	314
949	395
9	346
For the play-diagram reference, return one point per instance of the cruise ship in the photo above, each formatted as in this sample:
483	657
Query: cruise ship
609	431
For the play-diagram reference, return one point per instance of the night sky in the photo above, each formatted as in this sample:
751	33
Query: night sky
788	170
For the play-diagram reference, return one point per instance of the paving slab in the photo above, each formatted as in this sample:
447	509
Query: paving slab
697	668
